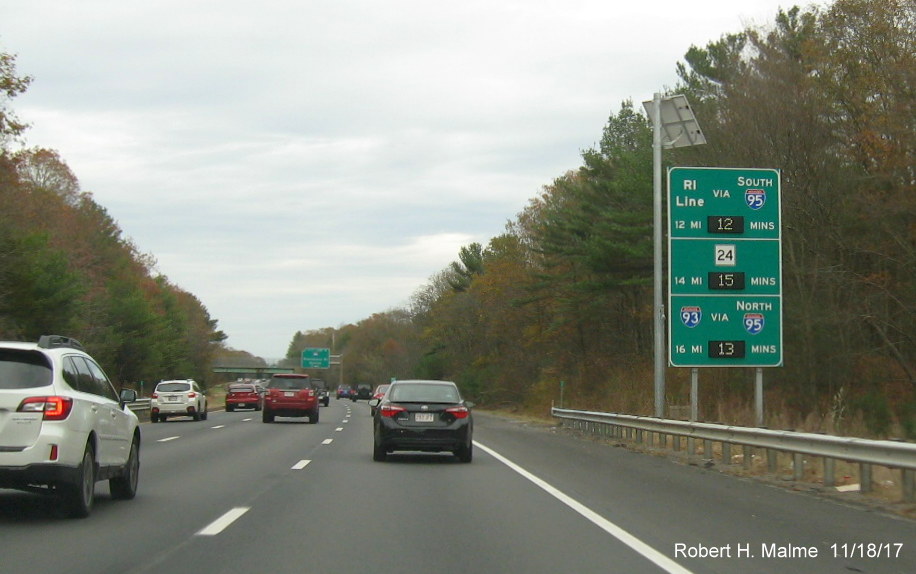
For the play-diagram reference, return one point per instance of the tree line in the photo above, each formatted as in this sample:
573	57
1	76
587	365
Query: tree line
564	295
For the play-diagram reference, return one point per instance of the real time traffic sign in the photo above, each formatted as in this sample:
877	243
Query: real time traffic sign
724	267
316	358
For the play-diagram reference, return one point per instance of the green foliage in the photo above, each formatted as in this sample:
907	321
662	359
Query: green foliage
875	411
41	294
908	419
469	264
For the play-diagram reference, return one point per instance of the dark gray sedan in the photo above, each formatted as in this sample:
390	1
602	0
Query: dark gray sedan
427	416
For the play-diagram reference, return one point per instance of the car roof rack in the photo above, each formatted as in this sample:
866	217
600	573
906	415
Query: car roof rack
58	341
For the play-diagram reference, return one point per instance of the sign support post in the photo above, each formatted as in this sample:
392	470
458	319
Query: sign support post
672	117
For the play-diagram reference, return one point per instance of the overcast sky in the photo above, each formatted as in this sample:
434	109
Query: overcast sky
299	164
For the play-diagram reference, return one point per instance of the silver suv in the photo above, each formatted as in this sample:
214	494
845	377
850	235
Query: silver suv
180	397
63	427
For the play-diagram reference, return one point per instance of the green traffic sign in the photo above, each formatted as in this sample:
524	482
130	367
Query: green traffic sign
724	267
725	331
316	358
706	202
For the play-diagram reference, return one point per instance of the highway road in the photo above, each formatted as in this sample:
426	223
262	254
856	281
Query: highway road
234	495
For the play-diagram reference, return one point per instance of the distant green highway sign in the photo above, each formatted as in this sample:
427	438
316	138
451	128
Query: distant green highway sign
724	267
316	358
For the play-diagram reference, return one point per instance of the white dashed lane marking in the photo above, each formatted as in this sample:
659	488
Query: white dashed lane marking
301	464
223	521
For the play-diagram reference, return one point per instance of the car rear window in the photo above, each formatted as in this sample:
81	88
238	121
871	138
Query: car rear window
421	393
23	369
289	383
173	387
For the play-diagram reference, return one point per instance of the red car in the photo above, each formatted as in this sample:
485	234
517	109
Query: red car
290	395
379	394
243	396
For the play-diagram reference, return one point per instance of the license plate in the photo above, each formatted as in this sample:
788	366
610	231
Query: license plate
424	417
172	399
289	394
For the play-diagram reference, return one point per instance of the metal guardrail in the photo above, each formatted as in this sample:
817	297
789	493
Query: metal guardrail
892	454
139	405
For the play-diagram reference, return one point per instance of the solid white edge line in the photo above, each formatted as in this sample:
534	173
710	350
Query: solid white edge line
300	465
167	439
223	521
651	554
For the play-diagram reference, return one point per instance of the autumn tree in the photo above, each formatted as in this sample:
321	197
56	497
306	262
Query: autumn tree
11	85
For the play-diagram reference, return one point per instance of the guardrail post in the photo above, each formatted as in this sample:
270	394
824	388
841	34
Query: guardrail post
772	461
748	455
864	477
798	466
829	472
726	452
909	485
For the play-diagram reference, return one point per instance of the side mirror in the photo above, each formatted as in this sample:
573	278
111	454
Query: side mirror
374	402
469	404
127	396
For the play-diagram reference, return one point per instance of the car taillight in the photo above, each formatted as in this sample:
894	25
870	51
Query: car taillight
391	411
192	395
53	408
458	412
154	396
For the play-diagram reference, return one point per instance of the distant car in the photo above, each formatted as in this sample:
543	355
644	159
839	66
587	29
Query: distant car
178	397
343	392
244	396
63	427
425	416
363	392
290	395
324	396
378	394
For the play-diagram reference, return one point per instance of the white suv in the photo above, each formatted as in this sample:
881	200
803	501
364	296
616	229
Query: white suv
63	427
182	397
